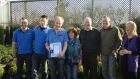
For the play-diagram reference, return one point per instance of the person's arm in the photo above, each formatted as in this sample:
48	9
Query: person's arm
47	46
14	49
61	54
47	43
137	51
99	46
99	43
64	48
118	39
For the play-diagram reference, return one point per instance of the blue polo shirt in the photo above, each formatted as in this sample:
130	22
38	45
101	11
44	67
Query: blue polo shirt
53	36
24	41
40	40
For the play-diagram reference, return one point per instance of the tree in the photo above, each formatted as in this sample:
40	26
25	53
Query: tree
61	10
116	14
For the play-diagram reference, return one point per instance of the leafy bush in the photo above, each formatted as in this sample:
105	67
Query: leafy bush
2	35
5	54
1	71
12	70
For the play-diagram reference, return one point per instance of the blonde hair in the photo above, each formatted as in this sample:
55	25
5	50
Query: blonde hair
133	24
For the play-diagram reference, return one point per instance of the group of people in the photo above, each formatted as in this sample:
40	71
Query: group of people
56	48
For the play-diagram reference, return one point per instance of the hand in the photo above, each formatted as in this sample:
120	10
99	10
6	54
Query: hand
61	54
80	62
49	49
98	58
15	59
121	52
127	52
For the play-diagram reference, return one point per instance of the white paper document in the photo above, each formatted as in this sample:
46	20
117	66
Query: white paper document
56	49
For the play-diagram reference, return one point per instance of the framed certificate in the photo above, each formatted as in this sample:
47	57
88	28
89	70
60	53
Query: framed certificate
56	49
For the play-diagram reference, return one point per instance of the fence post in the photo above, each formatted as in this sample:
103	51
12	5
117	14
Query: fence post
92	11
130	2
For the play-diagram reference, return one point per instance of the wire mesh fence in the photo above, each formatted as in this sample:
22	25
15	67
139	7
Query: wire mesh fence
74	11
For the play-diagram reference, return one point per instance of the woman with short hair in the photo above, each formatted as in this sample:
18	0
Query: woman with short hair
72	54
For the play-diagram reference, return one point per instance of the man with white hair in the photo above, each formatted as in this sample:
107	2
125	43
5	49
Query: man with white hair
90	43
56	44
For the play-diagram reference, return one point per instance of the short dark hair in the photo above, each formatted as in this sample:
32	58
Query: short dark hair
44	16
74	30
23	18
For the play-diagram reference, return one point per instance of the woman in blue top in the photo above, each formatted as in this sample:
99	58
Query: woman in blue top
72	54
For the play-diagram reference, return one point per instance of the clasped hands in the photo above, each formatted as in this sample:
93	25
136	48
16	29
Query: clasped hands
124	51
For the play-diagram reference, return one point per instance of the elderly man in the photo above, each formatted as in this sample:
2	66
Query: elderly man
110	42
90	43
22	48
56	43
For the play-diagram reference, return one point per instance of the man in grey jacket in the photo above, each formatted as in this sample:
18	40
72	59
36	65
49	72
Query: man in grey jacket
110	42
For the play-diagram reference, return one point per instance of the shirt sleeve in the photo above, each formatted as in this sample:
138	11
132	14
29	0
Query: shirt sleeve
99	43
47	38
137	51
118	39
65	37
14	37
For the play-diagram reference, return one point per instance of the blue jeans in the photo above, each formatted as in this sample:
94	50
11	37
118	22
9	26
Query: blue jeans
38	60
109	66
72	71
56	68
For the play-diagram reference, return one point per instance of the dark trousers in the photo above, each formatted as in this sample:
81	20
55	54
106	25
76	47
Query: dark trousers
124	69
38	61
89	61
56	68
21	59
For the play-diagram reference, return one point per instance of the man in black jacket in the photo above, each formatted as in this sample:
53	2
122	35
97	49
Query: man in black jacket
90	42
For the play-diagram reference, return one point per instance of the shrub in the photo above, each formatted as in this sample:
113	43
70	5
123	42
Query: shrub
5	54
12	68
1	71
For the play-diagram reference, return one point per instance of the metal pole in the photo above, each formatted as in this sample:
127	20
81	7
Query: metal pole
92	13
25	7
57	7
130	2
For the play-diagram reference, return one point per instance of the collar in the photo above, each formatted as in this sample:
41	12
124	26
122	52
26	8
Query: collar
46	27
108	27
25	28
58	30
89	28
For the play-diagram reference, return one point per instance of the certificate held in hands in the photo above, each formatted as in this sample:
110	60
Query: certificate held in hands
56	49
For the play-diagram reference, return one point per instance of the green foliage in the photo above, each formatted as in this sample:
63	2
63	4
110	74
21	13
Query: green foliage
122	29
80	69
5	54
2	35
13	68
61	10
137	21
1	71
